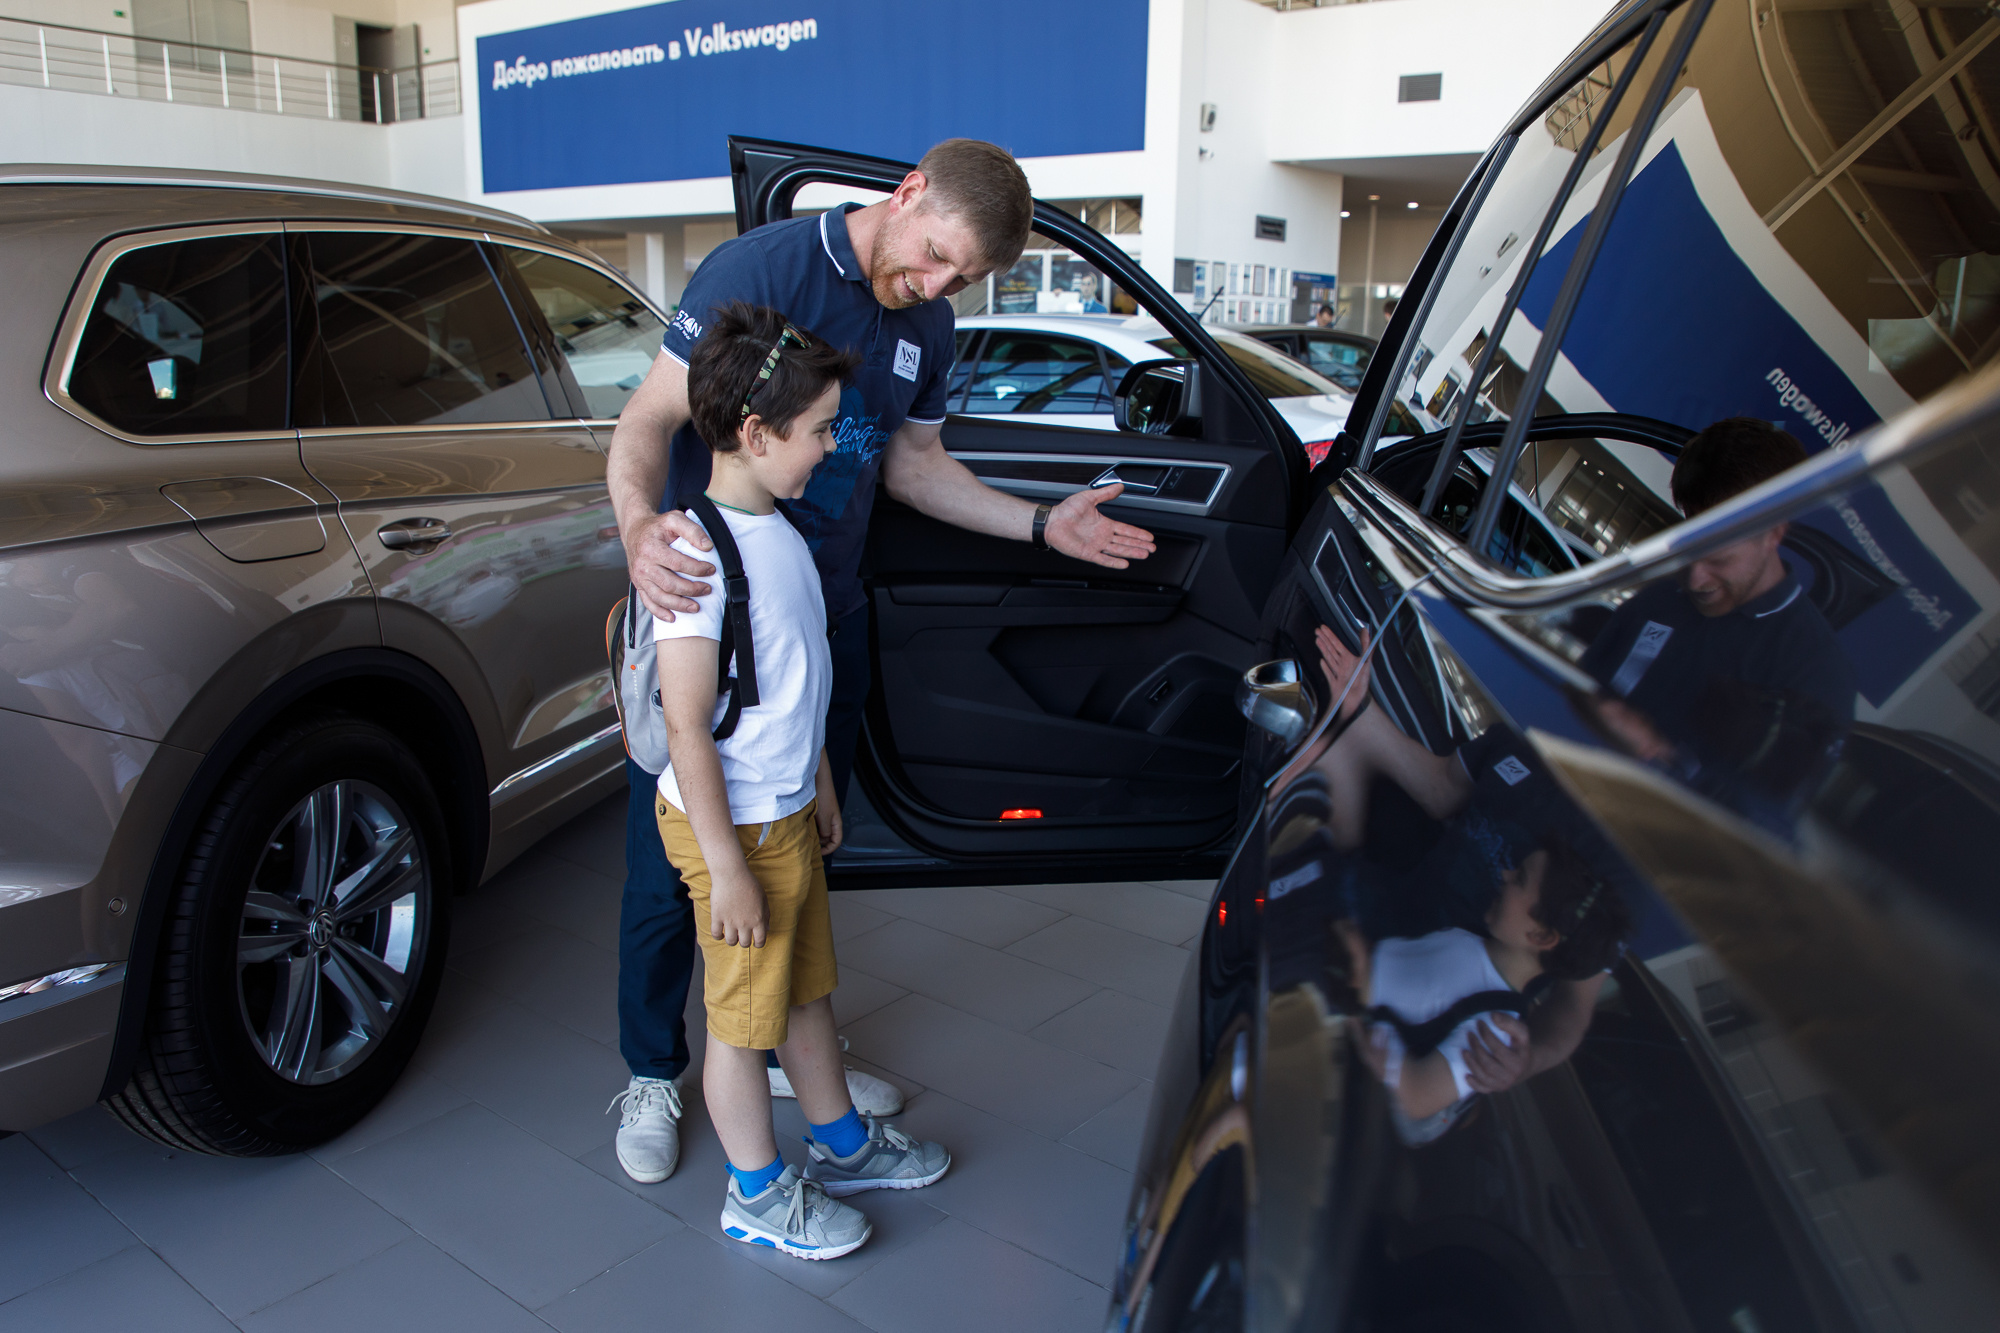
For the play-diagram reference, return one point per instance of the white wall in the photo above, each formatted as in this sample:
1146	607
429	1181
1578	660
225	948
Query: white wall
1222	179
299	28
44	125
1336	70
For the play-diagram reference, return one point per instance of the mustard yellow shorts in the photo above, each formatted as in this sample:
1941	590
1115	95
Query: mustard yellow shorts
751	992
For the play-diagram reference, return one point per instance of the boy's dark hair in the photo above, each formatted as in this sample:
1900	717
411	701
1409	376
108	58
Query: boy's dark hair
1586	910
981	185
726	362
1727	459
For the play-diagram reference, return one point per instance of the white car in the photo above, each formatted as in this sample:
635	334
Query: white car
1063	369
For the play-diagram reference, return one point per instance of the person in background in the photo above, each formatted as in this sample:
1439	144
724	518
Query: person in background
1323	318
873	281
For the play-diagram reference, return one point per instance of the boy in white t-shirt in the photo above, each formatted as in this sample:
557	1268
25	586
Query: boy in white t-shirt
747	819
1552	917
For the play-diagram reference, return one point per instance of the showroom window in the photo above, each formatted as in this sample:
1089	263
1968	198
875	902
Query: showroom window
413	331
606	335
187	338
1038	373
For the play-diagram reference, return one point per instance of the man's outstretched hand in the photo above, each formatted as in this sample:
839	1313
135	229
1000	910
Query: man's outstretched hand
666	578
1078	529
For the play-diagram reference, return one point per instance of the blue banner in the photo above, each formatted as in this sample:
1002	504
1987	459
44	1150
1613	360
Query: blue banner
651	94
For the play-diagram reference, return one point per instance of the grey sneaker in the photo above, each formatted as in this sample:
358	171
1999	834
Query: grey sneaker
649	1132
795	1216
890	1160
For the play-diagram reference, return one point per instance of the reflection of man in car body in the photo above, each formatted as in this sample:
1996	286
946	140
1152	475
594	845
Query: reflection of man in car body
1730	666
872	280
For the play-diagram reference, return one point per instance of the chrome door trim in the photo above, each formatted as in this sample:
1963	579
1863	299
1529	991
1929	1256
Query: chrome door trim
1056	490
55	381
570	424
544	769
1931	425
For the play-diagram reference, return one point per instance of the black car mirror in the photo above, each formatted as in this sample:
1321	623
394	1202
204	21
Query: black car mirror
1159	398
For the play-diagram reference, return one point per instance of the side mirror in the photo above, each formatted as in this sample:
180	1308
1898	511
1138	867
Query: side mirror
1159	398
1271	697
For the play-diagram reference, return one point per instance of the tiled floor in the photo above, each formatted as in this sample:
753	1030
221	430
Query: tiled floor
1023	1023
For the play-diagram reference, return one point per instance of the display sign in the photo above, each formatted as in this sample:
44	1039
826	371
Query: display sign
651	94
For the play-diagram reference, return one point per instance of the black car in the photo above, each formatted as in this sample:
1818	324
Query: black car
1767	1101
1341	357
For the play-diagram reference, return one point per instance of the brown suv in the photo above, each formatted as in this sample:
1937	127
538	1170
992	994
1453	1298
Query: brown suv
305	551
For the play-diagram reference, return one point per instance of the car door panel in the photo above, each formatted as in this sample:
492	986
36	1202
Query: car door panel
1029	705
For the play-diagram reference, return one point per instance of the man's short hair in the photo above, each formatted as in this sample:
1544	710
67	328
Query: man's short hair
1589	914
726	362
981	185
1325	309
1728	458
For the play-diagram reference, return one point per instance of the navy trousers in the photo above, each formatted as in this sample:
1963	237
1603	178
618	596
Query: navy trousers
656	921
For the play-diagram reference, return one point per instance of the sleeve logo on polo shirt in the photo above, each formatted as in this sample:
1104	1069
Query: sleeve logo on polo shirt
1512	771
689	326
908	355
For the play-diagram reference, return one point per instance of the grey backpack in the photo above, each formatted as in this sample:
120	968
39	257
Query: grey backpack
628	642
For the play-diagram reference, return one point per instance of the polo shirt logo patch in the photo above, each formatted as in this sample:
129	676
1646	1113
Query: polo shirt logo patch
1511	770
908	354
1652	638
689	326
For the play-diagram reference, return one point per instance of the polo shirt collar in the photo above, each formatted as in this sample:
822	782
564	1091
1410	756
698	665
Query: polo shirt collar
1782	594
833	239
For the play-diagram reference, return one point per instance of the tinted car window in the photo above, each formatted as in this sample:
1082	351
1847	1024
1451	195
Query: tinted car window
1275	374
1338	360
188	338
413	331
1035	372
606	335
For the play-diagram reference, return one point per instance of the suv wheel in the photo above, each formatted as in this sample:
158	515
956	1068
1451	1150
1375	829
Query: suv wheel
302	950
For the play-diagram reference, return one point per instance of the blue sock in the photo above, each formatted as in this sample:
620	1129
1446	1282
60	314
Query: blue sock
842	1137
752	1183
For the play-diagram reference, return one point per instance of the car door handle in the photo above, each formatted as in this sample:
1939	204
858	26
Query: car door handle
1144	479
411	532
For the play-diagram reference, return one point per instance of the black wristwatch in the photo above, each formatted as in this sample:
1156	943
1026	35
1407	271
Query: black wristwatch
1039	536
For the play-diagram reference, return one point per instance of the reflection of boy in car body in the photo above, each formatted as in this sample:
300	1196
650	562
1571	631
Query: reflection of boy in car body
1551	919
1730	667
1502	1049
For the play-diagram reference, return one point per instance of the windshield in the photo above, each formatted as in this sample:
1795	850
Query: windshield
1275	374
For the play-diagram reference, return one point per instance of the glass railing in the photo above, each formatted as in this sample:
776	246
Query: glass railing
85	60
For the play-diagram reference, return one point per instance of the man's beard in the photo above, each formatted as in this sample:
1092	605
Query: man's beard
886	279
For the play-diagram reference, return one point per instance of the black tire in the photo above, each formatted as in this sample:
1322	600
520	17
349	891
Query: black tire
232	1061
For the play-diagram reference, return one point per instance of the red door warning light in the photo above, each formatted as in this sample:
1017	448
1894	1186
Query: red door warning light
1020	814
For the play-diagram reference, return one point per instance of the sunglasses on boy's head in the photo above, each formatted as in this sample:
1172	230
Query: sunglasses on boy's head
790	336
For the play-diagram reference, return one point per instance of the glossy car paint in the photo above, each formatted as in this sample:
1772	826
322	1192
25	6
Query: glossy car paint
1782	1096
183	594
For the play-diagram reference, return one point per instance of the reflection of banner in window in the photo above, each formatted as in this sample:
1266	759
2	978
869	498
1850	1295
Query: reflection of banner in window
667	116
1676	324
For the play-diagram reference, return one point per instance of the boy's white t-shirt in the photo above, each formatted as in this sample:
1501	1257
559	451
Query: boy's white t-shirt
1421	978
769	763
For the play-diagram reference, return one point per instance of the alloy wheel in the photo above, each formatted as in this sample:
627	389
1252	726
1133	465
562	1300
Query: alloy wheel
332	932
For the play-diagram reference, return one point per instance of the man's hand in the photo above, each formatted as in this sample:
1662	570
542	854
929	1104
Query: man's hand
826	809
657	569
737	913
1078	529
1339	666
1490	1064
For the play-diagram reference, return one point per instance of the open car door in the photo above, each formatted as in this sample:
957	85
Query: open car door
1035	717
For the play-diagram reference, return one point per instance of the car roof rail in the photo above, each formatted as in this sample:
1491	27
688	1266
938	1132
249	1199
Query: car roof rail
42	173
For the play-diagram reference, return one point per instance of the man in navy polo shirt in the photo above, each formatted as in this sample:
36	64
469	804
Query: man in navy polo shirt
874	280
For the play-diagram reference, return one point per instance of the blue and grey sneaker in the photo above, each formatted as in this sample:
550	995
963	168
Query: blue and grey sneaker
890	1160
795	1216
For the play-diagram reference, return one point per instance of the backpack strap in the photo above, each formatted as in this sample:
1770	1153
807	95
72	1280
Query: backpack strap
736	640
1420	1039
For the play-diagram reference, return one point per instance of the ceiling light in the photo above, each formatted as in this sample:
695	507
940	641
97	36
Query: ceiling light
1344	213
1413	203
1373	197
